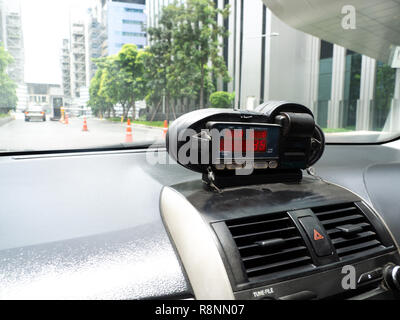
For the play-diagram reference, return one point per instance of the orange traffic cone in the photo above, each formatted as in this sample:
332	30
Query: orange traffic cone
165	128
128	138
85	128
66	118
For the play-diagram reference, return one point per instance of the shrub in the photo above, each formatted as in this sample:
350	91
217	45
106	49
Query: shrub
222	99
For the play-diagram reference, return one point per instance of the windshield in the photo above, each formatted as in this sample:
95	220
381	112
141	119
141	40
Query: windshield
118	72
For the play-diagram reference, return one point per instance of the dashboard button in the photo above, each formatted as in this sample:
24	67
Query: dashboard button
317	236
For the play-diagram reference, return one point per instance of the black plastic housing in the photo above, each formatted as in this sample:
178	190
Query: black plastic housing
300	142
324	276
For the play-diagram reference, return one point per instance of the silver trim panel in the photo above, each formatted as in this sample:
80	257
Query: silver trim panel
196	247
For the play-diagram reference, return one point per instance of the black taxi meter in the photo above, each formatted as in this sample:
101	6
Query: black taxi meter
234	147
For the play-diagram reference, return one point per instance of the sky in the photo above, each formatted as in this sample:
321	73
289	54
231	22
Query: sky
45	23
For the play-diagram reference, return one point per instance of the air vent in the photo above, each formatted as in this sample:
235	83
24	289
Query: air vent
349	229
268	244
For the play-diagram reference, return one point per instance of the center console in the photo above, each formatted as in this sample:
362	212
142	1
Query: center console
255	228
308	240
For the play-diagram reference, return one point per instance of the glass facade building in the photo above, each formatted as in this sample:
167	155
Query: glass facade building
269	60
351	92
324	82
126	23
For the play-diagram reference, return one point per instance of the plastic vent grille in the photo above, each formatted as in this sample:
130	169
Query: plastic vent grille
269	243
359	236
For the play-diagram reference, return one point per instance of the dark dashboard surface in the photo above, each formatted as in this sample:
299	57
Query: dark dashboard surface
262	199
86	226
89	226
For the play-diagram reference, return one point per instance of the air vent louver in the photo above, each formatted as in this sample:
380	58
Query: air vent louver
268	244
349	229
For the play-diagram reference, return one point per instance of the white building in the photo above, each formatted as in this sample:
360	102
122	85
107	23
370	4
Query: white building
78	58
78	51
43	94
83	97
66	69
268	60
96	34
11	36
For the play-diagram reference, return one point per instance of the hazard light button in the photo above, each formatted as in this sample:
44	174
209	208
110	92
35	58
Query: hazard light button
317	236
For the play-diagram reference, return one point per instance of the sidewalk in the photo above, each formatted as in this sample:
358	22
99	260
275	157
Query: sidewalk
134	124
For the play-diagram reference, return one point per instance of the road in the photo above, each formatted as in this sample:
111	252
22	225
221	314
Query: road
18	135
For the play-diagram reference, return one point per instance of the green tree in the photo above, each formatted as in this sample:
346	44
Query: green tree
185	53
384	92
8	96
159	59
222	99
197	45
122	80
384	87
99	103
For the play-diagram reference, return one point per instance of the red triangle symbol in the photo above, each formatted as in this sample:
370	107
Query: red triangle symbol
317	235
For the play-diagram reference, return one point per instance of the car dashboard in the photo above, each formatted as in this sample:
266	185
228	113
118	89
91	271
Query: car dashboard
110	225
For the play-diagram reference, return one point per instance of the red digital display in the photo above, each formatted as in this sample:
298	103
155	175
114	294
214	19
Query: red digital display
235	141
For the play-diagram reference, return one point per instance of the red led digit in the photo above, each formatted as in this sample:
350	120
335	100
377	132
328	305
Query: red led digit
260	134
262	146
256	146
232	137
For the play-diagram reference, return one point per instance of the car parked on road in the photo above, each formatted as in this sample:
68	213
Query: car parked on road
35	113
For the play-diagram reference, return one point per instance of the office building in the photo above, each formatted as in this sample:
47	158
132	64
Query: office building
125	22
96	35
11	37
268	60
66	69
78	57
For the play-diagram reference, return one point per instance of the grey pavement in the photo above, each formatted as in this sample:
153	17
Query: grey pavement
18	135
